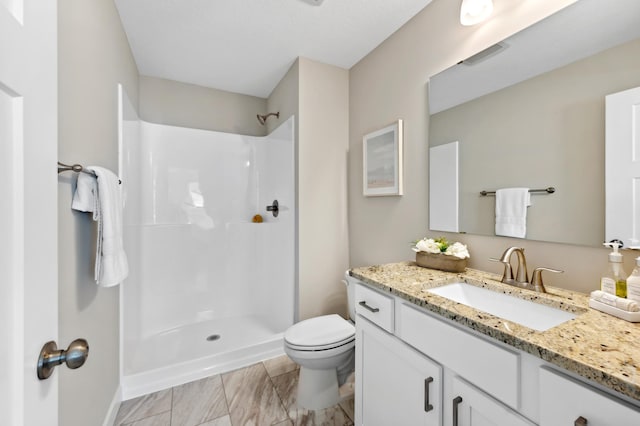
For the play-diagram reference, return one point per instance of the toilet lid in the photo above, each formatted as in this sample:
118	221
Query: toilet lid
327	330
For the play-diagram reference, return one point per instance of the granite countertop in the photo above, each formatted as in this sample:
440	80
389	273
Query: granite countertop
594	345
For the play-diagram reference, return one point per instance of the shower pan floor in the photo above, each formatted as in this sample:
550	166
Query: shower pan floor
197	350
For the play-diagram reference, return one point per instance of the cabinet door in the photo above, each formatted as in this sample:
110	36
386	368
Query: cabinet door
471	407
563	401
395	385
492	368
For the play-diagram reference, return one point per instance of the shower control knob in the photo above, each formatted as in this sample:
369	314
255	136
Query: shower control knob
50	357
273	208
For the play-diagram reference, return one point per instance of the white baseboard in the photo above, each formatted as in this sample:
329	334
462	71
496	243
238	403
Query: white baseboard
110	418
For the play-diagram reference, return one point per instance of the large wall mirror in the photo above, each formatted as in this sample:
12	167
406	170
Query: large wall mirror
530	112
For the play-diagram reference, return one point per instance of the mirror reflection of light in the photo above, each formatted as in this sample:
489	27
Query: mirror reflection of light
248	164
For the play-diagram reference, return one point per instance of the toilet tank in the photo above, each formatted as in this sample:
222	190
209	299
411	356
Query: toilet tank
349	281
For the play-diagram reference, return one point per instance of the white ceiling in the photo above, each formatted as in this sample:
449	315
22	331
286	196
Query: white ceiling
246	46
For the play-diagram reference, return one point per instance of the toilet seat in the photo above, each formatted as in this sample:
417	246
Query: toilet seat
320	333
322	347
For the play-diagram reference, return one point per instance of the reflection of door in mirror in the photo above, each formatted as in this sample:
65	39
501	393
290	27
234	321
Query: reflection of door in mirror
443	187
622	167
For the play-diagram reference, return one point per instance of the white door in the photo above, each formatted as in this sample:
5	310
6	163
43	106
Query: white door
28	208
622	167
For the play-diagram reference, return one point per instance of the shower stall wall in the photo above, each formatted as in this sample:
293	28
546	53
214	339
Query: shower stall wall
209	290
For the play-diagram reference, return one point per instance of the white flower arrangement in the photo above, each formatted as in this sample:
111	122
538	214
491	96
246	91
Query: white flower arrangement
441	245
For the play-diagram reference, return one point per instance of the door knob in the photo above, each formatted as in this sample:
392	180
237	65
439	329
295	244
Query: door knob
50	357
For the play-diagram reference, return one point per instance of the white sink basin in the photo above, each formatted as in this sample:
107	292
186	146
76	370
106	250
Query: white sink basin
524	312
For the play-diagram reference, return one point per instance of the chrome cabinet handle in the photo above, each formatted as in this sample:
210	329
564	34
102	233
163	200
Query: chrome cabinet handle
50	357
427	406
580	421
456	401
364	305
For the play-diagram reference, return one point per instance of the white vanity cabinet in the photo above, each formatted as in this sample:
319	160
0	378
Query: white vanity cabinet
488	366
395	384
408	359
494	398
473	407
566	401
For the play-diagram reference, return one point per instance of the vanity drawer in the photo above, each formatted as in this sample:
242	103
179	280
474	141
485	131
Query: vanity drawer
374	306
486	365
564	400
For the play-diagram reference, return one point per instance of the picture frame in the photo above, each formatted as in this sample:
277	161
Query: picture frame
382	161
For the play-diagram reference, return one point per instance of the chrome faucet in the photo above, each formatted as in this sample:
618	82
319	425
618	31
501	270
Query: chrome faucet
521	271
522	279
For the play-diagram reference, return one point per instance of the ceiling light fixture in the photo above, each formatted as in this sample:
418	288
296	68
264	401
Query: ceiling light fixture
473	12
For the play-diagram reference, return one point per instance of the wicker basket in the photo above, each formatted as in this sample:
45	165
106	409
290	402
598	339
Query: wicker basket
440	261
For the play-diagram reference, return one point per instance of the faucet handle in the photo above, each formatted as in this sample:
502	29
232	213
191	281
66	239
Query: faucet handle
536	278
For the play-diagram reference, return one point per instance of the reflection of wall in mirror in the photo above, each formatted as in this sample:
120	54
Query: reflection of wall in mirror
547	131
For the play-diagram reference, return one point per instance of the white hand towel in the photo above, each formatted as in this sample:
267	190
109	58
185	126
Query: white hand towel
111	261
511	211
613	300
84	198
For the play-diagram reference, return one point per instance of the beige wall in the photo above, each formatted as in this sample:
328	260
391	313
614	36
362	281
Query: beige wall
322	182
548	131
285	98
187	105
318	95
390	83
94	56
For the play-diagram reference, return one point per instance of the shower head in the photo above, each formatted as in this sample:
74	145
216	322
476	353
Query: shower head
263	118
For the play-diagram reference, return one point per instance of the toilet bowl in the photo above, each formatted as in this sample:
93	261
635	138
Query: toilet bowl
324	347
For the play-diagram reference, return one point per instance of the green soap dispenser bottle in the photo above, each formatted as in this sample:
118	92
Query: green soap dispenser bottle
614	281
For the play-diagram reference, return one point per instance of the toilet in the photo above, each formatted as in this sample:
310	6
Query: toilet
324	348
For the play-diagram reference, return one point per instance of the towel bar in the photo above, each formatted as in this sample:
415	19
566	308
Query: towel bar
78	169
74	168
549	190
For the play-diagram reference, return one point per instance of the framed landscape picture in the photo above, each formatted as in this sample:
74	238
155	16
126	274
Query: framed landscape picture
382	161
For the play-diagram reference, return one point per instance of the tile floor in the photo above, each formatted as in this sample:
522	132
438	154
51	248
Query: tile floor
261	394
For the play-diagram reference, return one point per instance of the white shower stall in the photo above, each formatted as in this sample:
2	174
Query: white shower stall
209	290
